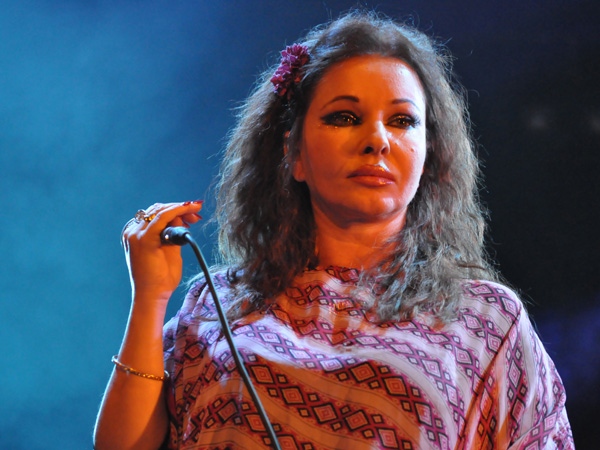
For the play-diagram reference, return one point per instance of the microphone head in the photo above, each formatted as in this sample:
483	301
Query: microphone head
174	236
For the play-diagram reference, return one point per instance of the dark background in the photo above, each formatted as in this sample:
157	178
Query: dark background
109	106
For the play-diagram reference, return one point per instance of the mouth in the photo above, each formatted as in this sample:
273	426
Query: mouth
377	174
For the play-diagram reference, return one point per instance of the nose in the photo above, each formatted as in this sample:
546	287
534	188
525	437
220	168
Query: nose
376	139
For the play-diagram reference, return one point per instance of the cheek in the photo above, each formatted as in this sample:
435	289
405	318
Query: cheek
316	160
419	167
411	166
411	152
418	146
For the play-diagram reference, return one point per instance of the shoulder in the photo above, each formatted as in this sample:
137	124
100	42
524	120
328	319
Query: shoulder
517	373
489	310
492	298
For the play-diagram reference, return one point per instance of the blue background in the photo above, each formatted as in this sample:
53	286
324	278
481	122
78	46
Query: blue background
109	106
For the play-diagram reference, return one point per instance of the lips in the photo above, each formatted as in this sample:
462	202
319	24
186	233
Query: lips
373	172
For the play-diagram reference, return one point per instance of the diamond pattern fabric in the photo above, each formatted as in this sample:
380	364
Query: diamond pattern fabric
330	377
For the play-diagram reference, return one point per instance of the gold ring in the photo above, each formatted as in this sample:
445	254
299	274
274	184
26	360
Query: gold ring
148	218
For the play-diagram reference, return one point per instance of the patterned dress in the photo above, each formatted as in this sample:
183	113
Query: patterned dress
331	378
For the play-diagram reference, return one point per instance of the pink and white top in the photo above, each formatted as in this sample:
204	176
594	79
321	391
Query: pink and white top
329	378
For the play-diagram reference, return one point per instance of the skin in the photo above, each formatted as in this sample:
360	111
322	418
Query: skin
133	413
153	267
367	114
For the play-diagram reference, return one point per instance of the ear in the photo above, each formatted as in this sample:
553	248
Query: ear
298	170
297	166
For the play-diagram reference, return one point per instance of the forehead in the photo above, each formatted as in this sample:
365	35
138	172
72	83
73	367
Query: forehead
370	75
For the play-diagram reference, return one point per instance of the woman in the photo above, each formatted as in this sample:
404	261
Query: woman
353	238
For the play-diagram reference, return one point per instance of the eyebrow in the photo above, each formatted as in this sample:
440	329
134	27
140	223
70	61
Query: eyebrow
343	97
404	100
354	99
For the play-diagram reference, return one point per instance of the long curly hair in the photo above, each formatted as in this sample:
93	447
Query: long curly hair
267	229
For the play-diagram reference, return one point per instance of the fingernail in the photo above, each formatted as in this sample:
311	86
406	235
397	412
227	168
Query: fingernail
187	203
199	216
198	202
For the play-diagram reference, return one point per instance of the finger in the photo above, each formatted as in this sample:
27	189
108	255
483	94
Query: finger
159	216
168	213
124	232
171	215
157	207
191	218
136	226
152	211
131	229
177	222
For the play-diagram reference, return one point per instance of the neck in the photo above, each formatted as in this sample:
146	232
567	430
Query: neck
360	245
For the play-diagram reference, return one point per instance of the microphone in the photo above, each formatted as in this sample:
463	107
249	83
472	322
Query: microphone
175	236
182	236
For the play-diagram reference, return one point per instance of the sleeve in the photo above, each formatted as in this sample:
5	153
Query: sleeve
533	391
175	332
521	398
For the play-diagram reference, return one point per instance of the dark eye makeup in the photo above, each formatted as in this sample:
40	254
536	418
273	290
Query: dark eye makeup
403	121
349	118
341	119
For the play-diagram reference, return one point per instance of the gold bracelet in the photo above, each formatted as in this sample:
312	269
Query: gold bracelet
132	371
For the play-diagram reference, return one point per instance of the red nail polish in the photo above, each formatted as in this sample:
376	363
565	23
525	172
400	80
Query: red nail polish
187	203
198	202
199	216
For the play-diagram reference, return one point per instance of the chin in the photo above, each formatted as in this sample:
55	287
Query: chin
380	213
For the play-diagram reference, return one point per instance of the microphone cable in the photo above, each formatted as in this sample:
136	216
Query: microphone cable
181	236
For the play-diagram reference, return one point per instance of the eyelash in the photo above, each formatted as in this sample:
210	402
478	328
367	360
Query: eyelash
407	121
341	119
348	118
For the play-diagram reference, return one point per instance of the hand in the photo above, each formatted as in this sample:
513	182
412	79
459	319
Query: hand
155	269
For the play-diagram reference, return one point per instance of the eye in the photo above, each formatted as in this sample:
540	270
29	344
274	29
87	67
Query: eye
403	121
341	119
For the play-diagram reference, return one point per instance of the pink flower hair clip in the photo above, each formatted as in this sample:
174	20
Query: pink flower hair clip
293	58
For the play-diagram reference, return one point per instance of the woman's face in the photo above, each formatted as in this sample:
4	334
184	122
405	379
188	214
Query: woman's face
363	146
